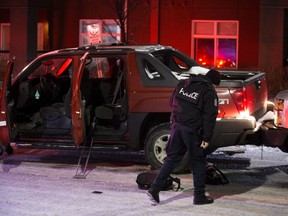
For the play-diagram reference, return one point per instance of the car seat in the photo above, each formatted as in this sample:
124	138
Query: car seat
114	112
58	115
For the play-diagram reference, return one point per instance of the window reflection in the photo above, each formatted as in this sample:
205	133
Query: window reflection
215	42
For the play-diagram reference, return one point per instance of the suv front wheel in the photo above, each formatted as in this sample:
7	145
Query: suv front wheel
155	145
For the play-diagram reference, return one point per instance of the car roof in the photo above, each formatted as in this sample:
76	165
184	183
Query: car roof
118	47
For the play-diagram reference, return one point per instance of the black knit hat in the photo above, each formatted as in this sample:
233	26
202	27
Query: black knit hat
214	76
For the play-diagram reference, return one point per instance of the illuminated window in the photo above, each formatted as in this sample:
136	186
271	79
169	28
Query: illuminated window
42	36
5	36
98	31
215	43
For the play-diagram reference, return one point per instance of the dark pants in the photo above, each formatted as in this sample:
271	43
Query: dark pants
183	138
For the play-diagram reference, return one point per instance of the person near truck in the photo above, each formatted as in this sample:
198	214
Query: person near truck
194	105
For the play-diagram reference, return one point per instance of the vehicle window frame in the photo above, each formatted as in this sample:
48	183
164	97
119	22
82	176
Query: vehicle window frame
33	65
169	60
167	80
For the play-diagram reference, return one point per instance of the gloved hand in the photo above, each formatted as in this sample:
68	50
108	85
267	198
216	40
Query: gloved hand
204	145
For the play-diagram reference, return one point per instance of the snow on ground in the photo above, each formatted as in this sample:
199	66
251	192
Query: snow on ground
40	182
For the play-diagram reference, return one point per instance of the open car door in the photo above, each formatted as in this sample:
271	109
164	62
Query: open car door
78	106
5	127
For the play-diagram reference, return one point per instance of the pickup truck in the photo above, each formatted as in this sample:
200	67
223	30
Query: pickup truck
115	97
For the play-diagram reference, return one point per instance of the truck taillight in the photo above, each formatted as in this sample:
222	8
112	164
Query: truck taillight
240	100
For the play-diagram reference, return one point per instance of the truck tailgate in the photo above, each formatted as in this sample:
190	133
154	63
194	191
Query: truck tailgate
248	92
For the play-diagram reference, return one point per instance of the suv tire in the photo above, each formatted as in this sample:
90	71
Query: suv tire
155	153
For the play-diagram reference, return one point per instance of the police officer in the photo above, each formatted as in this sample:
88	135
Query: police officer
194	105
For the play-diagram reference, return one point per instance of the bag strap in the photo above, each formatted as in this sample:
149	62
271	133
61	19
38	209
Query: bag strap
225	180
178	181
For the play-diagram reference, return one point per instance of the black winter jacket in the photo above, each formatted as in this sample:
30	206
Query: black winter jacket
194	104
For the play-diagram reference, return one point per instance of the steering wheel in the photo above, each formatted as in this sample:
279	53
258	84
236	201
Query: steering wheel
48	86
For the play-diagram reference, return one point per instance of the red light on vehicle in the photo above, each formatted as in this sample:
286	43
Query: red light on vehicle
221	112
225	63
202	62
220	63
240	99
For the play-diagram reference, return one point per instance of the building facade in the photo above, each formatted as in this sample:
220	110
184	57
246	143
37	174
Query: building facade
233	34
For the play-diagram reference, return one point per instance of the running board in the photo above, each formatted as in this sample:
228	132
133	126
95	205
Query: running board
96	147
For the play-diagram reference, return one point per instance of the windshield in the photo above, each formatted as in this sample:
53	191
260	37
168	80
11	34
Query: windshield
55	67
